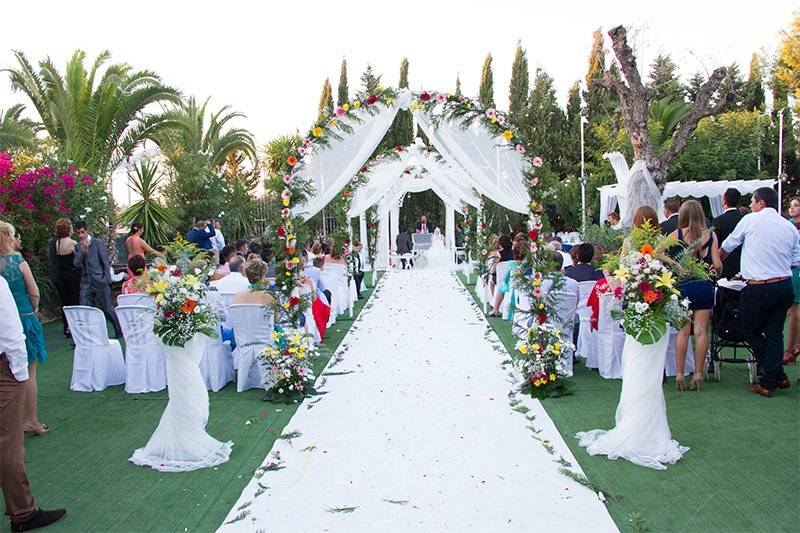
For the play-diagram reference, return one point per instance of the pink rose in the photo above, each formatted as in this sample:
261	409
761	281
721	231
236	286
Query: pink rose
340	111
285	212
287	179
491	113
537	161
520	149
534	182
440	98
537	292
87	180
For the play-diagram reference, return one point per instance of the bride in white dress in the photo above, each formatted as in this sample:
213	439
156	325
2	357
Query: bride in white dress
438	255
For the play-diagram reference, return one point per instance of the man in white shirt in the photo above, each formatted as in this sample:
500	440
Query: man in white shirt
20	504
235	281
770	247
218	239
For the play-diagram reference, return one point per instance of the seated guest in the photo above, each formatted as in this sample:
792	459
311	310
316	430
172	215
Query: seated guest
336	255
723	226
242	249
613	220
314	273
135	284
235	281
566	259
255	292
224	269
583	270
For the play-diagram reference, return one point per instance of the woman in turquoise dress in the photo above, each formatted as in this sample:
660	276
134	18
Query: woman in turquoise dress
26	295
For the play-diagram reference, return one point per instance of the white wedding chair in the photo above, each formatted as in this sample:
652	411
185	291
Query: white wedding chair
565	304
587	339
136	299
669	362
252	326
304	291
216	366
97	361
145	361
522	303
610	339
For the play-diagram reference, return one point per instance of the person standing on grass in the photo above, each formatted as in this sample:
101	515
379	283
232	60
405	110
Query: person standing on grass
770	248
20	505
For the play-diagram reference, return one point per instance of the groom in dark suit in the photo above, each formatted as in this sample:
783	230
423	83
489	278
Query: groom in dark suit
423	227
671	208
91	257
723	226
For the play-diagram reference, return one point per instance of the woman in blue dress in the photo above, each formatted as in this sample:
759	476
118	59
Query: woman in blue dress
26	295
701	243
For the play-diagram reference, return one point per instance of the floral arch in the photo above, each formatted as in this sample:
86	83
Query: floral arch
480	150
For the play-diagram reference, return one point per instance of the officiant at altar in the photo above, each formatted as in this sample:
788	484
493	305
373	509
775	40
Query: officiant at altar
423	226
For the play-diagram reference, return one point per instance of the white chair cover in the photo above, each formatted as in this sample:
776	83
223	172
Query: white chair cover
252	326
145	361
216	366
335	277
97	362
522	314
587	340
136	299
610	340
304	291
563	317
669	362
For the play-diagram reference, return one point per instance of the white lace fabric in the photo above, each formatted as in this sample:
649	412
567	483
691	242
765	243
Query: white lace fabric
641	434
180	442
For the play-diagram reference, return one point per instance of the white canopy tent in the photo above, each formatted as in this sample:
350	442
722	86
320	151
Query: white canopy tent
613	195
469	159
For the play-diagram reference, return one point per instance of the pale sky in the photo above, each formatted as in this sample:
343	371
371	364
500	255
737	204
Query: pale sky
269	59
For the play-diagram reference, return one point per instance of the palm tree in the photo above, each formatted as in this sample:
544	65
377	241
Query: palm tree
157	219
190	132
17	132
95	119
664	116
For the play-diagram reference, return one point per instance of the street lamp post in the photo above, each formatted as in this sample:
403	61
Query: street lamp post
780	157
583	177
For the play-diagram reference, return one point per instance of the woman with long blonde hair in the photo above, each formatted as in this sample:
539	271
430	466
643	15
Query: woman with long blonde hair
697	240
23	287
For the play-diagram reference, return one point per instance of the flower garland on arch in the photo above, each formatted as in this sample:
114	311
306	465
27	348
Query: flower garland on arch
283	236
335	126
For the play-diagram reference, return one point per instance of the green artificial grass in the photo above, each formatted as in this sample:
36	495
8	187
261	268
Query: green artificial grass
82	464
742	472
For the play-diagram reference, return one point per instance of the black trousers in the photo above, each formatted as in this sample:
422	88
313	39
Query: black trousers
68	287
358	277
101	293
763	313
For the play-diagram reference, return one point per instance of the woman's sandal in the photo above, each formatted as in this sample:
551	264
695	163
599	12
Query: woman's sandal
680	384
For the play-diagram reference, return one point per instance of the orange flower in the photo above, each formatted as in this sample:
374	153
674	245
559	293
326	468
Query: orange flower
650	297
188	306
161	267
647	249
291	160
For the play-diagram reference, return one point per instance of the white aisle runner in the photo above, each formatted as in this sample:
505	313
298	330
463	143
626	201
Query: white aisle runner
416	433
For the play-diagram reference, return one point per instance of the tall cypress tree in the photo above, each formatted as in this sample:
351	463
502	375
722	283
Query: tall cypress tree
326	100
401	132
597	60
369	80
519	86
694	85
754	88
571	153
343	96
458	86
664	81
486	91
546	125
599	99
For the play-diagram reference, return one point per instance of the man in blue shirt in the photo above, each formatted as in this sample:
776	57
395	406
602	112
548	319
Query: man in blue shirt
200	236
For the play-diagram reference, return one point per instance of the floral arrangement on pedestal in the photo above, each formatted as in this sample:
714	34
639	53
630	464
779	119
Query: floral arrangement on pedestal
540	359
289	374
182	305
647	277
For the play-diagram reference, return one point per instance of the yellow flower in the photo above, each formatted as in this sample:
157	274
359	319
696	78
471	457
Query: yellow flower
296	260
357	104
665	280
541	306
523	349
291	350
508	135
415	105
389	101
158	287
538	382
552	377
301	355
493	119
289	237
286	202
286	305
537	282
288	273
275	335
622	273
346	107
316	132
536	346
534	205
333	122
191	280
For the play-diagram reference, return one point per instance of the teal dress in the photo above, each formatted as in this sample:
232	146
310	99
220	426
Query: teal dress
34	335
